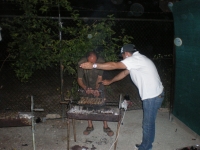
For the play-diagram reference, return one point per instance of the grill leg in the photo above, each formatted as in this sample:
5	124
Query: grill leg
74	128
118	125
68	132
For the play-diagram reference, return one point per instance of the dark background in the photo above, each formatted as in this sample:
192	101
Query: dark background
152	30
140	9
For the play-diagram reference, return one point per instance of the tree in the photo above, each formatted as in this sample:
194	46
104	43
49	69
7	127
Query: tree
36	45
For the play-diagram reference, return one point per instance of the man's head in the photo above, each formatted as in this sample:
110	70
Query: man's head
127	50
92	57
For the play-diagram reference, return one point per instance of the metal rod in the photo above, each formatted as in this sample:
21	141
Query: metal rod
68	132
118	125
33	123
39	109
74	128
94	18
61	64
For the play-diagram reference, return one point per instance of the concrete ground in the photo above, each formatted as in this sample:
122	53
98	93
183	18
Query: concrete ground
52	135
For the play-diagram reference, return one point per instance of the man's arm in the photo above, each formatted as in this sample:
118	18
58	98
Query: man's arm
104	66
118	77
81	84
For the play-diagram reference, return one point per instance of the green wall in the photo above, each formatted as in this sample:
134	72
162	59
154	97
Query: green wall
186	106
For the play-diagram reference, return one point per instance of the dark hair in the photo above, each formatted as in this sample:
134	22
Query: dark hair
91	53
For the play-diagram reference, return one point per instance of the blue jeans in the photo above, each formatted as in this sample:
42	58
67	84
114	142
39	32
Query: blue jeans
150	109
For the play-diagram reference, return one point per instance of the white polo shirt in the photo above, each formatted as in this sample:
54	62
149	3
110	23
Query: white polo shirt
144	75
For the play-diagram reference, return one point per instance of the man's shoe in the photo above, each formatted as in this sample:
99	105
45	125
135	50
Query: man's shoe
108	131
88	130
137	146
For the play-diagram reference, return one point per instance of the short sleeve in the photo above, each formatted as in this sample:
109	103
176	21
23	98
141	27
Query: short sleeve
80	70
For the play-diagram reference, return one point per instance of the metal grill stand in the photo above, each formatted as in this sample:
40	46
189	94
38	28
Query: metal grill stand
32	120
103	114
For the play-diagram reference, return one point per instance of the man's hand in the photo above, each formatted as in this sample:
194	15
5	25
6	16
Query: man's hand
89	91
96	93
87	65
106	82
93	92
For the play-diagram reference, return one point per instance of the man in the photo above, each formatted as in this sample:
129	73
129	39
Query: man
89	80
145	76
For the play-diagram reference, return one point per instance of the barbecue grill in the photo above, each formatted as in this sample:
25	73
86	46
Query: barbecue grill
88	107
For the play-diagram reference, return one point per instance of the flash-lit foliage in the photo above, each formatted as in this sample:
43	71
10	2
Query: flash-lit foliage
36	44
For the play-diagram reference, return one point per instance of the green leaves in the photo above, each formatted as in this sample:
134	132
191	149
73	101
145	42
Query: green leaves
44	8
36	44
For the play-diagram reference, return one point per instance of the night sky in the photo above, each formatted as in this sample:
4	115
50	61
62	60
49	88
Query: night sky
144	9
